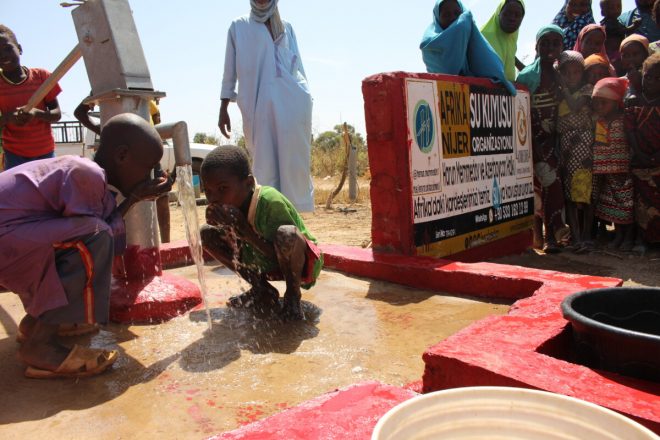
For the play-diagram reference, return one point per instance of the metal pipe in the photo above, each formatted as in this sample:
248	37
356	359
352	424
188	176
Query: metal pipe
178	132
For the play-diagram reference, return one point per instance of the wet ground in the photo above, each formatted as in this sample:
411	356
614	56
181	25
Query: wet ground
181	380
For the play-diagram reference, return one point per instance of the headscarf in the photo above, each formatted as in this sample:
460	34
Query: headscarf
572	28
583	33
262	13
597	59
635	38
460	49
531	75
570	56
611	88
504	44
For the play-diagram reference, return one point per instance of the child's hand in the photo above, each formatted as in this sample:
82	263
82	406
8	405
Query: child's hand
152	189
21	118
226	215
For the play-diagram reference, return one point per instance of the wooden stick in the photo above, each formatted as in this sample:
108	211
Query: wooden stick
53	79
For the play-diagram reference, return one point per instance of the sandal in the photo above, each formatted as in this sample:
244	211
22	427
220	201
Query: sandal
562	234
81	362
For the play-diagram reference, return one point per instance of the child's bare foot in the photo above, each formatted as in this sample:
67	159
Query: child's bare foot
538	233
263	298
618	239
25	328
551	247
41	348
292	307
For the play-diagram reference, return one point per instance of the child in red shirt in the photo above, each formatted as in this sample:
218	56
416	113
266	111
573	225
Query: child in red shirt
26	136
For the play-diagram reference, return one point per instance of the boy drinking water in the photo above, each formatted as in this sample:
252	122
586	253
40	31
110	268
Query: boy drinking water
60	228
257	233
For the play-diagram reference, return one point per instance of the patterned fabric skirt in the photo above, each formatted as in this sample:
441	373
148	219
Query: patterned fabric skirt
647	202
576	138
613	196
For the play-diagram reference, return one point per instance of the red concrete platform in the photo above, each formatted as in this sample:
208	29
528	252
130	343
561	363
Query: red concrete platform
526	348
153	299
177	253
348	414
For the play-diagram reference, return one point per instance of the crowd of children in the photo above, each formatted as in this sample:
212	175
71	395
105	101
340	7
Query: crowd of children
595	134
594	91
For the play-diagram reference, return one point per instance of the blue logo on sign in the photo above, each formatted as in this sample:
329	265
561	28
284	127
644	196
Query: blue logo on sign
497	195
424	128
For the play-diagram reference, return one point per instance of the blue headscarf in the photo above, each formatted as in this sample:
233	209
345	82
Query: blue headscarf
531	75
461	49
572	28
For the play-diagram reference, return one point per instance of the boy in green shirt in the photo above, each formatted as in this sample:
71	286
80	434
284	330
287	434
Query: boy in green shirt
256	232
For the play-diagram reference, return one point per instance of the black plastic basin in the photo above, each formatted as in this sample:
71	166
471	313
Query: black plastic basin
617	329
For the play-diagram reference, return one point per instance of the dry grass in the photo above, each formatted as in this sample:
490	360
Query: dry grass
324	187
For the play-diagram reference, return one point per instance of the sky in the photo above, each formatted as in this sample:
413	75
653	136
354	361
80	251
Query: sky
341	43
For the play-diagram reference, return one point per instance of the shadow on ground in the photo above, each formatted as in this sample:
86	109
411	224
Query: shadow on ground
40	399
631	268
234	330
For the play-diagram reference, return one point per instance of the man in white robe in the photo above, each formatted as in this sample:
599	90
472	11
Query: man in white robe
262	56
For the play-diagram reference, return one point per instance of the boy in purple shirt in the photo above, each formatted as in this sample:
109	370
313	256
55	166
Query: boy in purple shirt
59	231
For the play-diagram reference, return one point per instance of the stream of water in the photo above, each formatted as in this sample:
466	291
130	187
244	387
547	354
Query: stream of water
188	204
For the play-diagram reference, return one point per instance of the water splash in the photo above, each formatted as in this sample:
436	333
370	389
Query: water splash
189	207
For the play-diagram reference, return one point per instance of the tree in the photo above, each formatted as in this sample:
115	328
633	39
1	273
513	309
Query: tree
328	151
203	138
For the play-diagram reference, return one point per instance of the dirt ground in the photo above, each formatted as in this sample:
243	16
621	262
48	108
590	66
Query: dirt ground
350	224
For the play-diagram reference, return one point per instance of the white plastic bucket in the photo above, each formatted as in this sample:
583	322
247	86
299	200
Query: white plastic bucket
504	413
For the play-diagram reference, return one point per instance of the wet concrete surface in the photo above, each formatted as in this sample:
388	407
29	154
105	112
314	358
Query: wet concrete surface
181	380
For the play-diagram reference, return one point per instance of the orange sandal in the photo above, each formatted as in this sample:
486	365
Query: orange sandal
81	362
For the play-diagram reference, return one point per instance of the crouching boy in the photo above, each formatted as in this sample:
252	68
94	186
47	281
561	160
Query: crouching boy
257	233
59	230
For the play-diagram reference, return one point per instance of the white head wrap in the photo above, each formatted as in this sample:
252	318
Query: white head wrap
268	10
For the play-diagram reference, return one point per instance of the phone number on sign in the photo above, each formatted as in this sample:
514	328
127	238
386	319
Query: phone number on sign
511	210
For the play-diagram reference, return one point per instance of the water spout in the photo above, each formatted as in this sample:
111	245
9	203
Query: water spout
178	132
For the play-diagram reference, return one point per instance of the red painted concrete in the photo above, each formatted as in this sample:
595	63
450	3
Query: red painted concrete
153	299
177	253
138	263
432	273
389	165
142	293
347	414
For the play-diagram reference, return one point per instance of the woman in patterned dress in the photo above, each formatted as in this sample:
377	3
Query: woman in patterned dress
540	78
